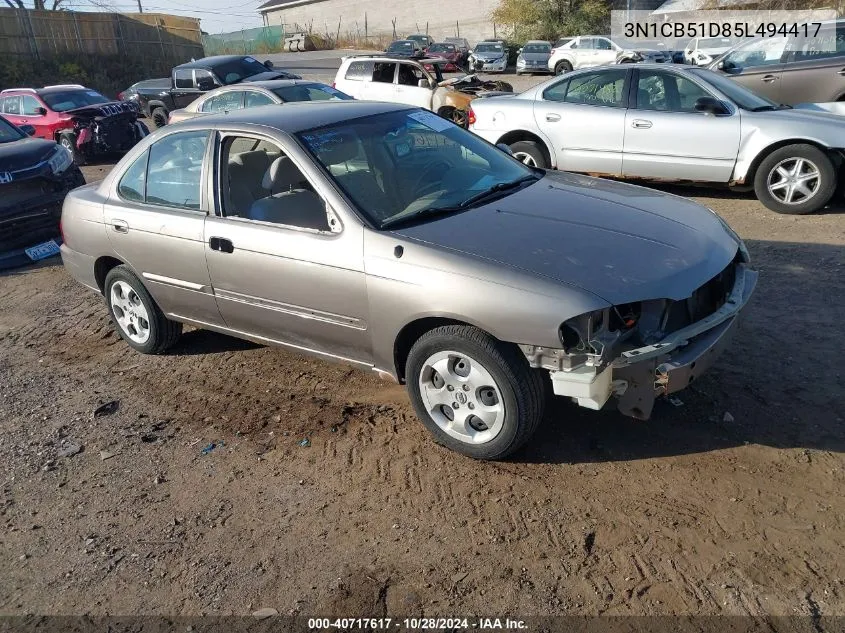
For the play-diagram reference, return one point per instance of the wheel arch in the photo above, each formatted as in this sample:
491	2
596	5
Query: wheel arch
514	136
102	266
412	332
834	154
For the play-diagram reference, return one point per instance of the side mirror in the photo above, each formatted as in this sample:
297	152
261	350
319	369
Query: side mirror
505	148
205	84
29	130
721	65
710	105
268	64
40	111
424	83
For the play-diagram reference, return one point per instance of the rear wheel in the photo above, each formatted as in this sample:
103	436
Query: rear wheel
159	116
476	395
458	117
795	179
563	67
530	153
136	316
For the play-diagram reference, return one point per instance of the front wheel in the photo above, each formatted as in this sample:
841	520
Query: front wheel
137	317
530	153
563	67
159	117
458	117
68	141
476	395
795	179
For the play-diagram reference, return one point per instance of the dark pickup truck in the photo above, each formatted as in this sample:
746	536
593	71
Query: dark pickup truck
188	81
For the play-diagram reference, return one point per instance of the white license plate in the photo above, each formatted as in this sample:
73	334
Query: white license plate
43	250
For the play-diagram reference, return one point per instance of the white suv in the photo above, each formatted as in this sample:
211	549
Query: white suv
415	82
583	52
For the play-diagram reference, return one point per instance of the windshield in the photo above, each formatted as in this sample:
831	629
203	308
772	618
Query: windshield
397	47
239	69
310	92
714	42
563	42
9	132
740	95
72	99
537	48
397	165
489	48
442	48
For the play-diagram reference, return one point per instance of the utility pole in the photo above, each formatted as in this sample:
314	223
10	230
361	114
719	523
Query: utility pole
140	8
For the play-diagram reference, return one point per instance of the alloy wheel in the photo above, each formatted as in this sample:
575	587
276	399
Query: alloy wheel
462	397
794	180
130	312
526	158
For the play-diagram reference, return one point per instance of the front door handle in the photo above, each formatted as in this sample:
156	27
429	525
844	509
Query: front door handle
768	78
641	124
119	226
551	117
221	244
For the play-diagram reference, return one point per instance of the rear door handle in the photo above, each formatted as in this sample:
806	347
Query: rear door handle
641	124
551	117
221	244
768	78
841	73
119	226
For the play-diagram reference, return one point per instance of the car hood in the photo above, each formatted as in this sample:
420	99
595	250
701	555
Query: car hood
487	57
620	242
103	110
535	57
270	75
25	153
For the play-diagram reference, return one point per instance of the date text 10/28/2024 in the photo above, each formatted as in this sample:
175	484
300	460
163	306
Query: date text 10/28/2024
412	624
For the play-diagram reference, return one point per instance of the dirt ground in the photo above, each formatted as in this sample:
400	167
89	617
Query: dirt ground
730	503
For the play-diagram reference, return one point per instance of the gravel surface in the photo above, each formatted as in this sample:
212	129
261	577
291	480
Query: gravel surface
194	491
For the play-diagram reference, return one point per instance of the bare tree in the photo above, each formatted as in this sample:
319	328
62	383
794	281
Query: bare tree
39	5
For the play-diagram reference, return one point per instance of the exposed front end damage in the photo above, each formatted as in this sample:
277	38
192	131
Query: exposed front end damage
640	351
452	97
106	128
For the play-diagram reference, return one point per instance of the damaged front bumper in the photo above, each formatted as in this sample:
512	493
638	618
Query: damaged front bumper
639	376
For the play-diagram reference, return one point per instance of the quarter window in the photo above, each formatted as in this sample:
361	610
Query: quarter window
359	71
667	92
174	171
12	105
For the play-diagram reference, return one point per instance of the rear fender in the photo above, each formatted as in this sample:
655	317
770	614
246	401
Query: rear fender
447	98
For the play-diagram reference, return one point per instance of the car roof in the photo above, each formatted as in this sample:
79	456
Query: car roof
536	42
402	41
206	62
46	90
299	116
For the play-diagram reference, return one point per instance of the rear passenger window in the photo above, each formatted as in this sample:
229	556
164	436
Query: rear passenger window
256	99
225	101
261	183
12	105
184	78
359	71
830	42
383	72
174	170
132	186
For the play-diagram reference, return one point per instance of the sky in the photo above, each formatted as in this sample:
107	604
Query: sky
217	15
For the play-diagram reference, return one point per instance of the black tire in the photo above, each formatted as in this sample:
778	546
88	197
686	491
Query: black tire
521	388
68	141
563	67
532	149
159	116
163	332
458	117
821	195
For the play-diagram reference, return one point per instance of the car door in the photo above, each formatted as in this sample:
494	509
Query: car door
382	84
606	51
583	116
585	54
155	218
758	66
665	137
282	265
815	68
184	91
33	113
407	88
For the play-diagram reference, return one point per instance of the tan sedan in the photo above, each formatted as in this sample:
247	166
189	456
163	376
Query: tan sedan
259	93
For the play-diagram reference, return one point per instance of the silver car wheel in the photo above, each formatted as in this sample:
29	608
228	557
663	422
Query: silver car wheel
462	397
526	158
130	312
794	180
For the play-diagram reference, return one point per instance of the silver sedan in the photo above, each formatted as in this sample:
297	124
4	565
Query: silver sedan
659	122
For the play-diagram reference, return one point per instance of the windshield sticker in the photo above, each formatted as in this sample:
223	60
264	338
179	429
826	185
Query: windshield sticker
92	93
430	120
251	60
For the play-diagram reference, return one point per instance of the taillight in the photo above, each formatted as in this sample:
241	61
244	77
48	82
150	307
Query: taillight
470	116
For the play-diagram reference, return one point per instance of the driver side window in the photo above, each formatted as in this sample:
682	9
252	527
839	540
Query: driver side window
764	52
261	183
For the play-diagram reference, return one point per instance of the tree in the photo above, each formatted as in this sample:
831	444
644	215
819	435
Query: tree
550	19
38	5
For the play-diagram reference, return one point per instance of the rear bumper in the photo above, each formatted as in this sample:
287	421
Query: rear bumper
80	266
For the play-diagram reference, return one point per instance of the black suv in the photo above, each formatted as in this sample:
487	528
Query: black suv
35	176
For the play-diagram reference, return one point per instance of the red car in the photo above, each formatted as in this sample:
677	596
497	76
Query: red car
449	52
80	119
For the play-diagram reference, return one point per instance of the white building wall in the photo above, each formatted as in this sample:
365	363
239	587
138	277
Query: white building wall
466	18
